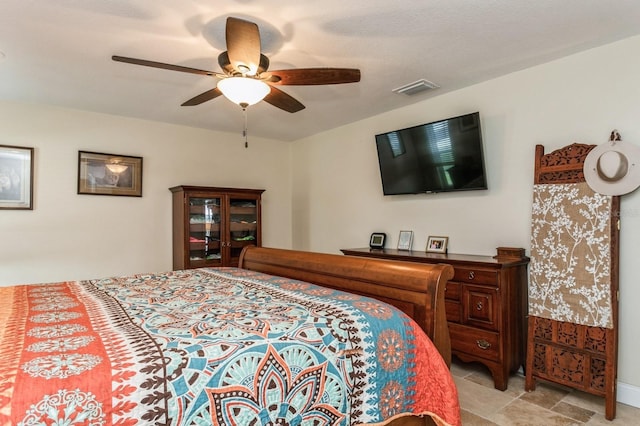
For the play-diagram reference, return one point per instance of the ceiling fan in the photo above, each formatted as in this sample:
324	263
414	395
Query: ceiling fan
246	79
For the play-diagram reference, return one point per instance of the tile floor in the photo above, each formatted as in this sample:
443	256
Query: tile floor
548	405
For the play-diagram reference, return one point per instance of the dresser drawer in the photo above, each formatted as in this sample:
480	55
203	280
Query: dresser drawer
475	276
452	291
480	306
471	341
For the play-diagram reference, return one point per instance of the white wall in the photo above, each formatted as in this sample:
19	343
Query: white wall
337	192
70	236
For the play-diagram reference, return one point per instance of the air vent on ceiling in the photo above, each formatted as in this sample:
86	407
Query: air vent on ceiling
416	87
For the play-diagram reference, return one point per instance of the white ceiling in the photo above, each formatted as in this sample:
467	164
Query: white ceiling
59	52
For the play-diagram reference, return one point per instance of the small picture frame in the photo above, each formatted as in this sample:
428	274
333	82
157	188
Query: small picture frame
377	240
109	174
16	177
405	240
437	244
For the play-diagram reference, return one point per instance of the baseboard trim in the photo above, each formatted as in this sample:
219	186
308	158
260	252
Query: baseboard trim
628	394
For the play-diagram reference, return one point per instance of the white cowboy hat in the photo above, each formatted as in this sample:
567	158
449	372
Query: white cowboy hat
613	168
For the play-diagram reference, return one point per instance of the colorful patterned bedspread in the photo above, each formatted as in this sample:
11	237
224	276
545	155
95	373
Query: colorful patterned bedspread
212	346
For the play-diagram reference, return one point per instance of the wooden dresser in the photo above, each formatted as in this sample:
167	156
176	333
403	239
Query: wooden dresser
486	303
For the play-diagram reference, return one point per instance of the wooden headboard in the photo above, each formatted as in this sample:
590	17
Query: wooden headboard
416	289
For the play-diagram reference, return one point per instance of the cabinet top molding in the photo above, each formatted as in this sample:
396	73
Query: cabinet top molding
194	188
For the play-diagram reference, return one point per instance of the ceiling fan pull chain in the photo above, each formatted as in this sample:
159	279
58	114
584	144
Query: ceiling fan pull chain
244	132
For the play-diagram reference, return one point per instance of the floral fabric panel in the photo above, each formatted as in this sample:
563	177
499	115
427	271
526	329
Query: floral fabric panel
569	273
212	347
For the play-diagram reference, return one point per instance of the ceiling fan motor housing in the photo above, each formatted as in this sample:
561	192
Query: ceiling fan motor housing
225	64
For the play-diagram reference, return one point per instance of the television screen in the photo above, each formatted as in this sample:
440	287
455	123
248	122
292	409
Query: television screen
441	156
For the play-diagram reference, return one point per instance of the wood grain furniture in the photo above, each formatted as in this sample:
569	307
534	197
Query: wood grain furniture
573	354
485	303
232	346
212	225
417	290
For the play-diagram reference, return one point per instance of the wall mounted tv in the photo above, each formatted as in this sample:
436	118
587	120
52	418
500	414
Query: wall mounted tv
442	156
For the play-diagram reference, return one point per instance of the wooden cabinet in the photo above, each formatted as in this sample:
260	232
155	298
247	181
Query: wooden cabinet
212	225
486	304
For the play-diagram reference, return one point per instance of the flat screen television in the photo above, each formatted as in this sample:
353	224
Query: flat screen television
441	156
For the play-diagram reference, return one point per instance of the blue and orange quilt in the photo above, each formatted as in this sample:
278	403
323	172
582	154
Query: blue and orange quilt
220	346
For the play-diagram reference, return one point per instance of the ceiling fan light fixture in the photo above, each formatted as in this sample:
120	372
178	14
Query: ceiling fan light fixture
243	91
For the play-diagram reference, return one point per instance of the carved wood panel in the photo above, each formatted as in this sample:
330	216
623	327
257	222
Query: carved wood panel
578	356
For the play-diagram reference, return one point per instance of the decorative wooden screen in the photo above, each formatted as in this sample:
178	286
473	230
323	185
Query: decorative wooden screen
573	285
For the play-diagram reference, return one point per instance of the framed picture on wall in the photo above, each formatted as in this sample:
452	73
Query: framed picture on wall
404	240
109	174
16	177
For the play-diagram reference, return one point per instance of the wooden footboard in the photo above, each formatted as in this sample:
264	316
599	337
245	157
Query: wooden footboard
417	289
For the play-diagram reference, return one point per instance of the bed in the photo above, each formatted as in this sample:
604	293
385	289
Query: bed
288	337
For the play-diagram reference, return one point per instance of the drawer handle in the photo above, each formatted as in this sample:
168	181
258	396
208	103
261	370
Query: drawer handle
483	344
479	306
472	275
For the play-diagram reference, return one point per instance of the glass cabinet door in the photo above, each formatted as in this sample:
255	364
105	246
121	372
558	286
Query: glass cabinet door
205	248
243	225
212	225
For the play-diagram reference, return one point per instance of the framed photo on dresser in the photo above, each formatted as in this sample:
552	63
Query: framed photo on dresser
437	244
405	240
377	240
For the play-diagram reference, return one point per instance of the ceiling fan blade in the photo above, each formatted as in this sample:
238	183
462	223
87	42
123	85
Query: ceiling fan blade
163	66
243	45
312	76
280	99
203	97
